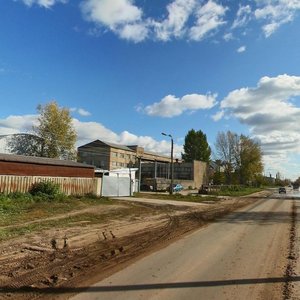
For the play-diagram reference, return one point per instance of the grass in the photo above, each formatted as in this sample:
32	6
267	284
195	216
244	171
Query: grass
23	214
237	191
19	209
177	197
88	218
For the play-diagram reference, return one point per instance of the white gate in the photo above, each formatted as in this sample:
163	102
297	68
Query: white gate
115	186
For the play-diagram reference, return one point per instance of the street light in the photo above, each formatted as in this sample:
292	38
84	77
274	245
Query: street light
172	166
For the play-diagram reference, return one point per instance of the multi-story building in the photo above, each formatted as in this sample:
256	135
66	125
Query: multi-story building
154	169
109	156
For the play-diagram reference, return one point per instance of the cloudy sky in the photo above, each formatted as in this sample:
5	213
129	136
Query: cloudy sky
131	69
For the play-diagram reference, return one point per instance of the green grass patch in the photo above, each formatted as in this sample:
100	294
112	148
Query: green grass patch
127	211
236	191
177	197
20	208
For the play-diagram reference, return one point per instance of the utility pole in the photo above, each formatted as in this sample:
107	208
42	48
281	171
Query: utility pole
172	163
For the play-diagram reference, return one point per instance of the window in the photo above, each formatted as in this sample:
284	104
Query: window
114	154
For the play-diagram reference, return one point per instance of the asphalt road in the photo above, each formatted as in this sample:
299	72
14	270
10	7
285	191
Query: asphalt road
242	256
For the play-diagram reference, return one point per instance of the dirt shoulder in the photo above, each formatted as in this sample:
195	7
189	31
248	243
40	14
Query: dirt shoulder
64	260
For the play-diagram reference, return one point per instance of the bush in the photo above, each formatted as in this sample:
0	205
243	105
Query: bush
21	197
44	189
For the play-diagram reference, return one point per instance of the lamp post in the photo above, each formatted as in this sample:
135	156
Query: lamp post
172	165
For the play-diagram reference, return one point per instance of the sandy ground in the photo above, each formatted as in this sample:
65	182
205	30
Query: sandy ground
60	262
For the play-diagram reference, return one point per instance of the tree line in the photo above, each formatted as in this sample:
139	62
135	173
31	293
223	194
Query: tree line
238	158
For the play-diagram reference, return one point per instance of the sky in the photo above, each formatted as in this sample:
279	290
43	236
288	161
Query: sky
129	70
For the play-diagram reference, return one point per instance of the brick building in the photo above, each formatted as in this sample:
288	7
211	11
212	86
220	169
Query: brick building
153	168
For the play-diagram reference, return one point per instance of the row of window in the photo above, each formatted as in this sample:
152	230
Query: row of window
119	164
122	155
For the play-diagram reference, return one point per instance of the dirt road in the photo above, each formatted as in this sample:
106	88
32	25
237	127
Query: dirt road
250	253
245	255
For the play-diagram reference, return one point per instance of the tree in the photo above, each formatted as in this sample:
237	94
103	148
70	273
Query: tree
25	144
56	131
227	148
54	136
241	157
251	166
196	147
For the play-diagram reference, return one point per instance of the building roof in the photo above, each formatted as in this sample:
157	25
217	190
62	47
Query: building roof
119	146
101	143
42	161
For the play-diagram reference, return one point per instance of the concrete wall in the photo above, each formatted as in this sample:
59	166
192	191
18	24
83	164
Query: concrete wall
200	173
189	175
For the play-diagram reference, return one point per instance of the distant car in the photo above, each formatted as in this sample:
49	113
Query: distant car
282	190
177	187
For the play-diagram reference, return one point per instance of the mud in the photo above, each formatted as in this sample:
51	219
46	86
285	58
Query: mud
292	256
47	267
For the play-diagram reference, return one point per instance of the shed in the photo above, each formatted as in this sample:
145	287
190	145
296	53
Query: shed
20	165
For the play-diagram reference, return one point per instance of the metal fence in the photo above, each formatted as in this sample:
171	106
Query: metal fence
68	185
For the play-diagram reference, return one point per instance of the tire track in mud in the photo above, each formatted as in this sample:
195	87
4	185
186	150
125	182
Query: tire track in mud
292	255
67	268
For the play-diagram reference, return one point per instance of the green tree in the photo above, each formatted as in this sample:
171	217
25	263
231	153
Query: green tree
196	147
227	149
241	157
56	131
251	166
25	144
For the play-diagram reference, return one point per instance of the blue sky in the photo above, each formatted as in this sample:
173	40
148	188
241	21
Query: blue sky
129	70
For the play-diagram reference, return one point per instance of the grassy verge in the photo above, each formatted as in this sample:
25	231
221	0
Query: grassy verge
22	214
18	209
81	220
236	191
177	197
232	192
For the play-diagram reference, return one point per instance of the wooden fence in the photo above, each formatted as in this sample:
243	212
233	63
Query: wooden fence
68	185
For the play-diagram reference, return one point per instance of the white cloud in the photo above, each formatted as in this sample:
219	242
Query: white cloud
80	111
228	36
121	16
270	112
171	106
111	13
13	124
88	132
179	12
218	116
243	16
84	112
43	3
276	13
163	147
241	49
134	32
209	18
125	19
184	19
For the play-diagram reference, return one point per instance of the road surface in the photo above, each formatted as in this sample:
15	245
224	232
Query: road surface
241	256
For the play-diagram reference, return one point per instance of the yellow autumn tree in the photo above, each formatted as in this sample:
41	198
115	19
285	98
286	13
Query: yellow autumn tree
56	131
